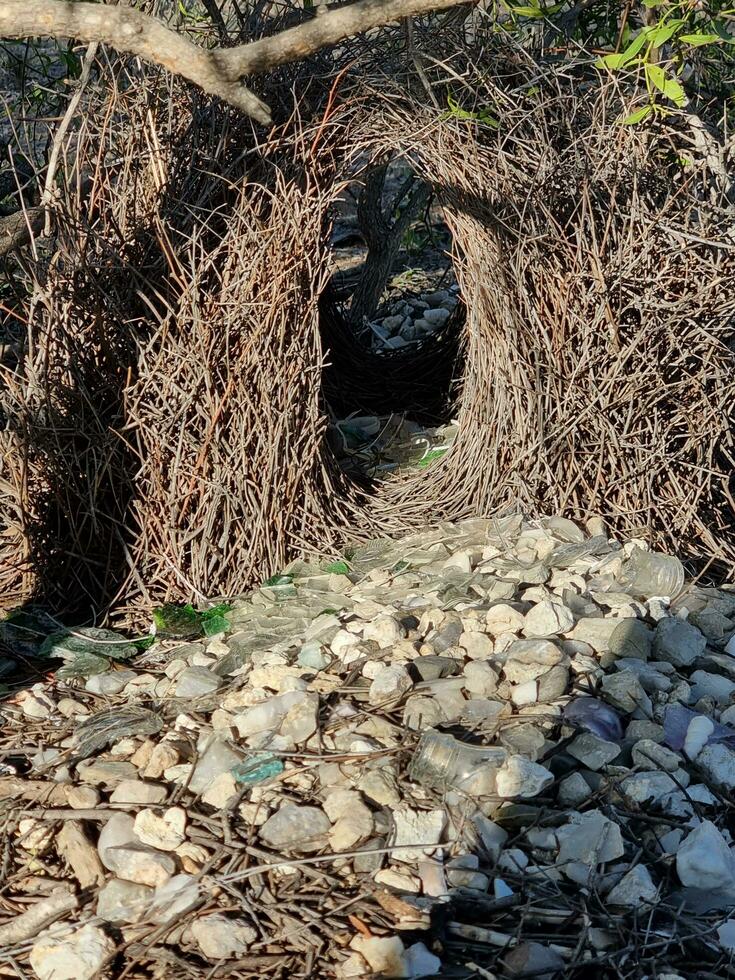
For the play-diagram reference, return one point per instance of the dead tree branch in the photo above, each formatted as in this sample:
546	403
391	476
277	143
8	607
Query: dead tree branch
218	72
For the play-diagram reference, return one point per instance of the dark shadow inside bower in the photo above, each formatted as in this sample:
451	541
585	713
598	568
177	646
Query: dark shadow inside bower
391	322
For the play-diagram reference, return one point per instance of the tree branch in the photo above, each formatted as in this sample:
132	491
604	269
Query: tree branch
218	72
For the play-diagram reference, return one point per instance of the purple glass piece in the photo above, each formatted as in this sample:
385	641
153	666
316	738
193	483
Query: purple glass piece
594	716
676	725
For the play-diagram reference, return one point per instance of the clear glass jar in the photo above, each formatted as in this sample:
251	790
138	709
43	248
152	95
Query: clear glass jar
649	574
443	762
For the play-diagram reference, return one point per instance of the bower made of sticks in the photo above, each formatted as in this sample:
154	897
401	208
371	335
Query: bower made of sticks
166	436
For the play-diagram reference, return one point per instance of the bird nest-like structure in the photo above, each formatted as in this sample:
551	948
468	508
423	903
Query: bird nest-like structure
165	428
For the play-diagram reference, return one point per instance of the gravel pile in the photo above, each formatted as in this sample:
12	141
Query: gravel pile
494	749
408	321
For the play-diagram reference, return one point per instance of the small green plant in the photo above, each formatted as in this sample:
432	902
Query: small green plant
677	28
483	115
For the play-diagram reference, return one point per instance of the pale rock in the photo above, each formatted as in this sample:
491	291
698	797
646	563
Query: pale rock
109	683
268	715
518	777
677	642
712	685
717	762
76	956
384	954
221	791
480	677
139	791
164	832
312	656
461	878
633	889
342	643
120	852
219	937
36	703
352	821
421	827
502	618
647	752
597	632
82	797
402	881
296	828
524	694
175	898
163	756
593	752
384	630
193	856
477	645
381	786
589	838
547	619
704	859
123	901
490	835
726	935
354	966
215	757
70	708
573	790
460	561
35	836
512	861
175	667
654	785
390	684
302	720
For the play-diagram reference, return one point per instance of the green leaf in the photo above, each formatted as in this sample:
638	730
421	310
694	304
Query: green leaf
670	88
214	625
431	456
654	3
666	31
526	11
697	40
338	568
611	61
638	116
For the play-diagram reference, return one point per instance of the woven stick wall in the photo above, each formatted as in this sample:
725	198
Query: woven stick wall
598	274
171	414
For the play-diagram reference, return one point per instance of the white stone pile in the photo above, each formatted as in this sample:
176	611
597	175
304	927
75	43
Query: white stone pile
477	748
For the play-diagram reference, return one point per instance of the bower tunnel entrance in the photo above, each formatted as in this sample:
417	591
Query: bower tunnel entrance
391	323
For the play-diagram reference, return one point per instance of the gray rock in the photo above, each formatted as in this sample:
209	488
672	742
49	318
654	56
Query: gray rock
625	691
296	828
704	860
123	901
534	960
634	888
717	762
591	839
480	678
215	758
518	777
678	642
593	752
653	785
712	685
219	937
646	753
196	681
573	790
109	683
421	712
